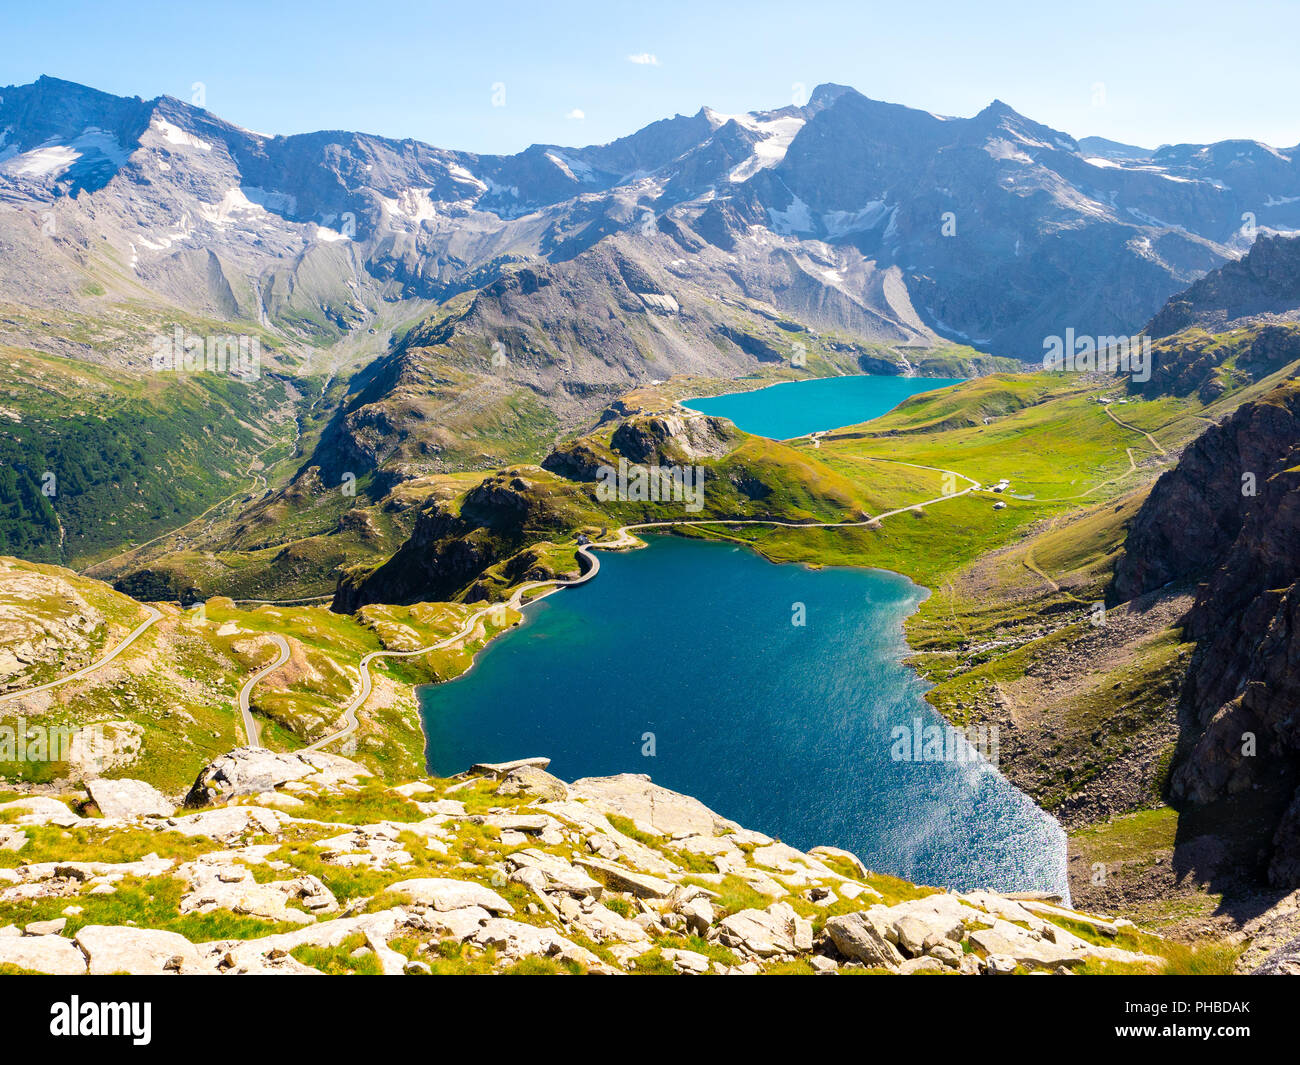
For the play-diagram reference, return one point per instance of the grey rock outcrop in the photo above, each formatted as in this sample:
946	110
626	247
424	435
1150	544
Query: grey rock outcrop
498	876
251	770
128	798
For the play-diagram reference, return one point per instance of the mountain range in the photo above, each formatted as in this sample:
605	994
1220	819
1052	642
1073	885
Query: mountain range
892	224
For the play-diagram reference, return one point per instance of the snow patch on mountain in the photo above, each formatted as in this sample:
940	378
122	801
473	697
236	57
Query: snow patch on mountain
233	202
411	205
459	173
43	162
173	134
796	218
97	141
1151	220
503	190
329	236
870	216
52	160
777	133
573	169
1273	151
277	202
1002	149
165	241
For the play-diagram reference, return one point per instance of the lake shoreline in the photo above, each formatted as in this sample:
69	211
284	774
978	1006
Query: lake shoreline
899	655
753	407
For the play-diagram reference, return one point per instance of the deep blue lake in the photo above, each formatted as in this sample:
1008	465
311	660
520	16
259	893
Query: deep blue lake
797	408
784	728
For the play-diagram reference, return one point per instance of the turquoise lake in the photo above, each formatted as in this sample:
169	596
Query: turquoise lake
784	728
797	408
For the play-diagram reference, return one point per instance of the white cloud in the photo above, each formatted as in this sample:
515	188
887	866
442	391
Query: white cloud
645	59
576	113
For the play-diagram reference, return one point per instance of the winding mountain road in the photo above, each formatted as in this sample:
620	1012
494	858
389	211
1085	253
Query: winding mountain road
349	717
1142	432
154	615
250	726
970	487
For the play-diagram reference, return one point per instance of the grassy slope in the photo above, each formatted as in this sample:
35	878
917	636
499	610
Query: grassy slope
132	454
179	681
1044	434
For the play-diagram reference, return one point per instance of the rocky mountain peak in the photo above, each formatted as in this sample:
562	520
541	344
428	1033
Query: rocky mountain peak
827	93
872	180
1263	285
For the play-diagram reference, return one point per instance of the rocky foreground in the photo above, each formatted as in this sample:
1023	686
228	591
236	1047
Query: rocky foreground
306	863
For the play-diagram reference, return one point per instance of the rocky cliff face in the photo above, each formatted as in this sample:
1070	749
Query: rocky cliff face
1235	326
667	439
649	439
1263	284
1227	518
1210	364
1196	511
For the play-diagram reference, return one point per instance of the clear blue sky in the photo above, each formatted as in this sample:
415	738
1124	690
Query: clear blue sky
1137	71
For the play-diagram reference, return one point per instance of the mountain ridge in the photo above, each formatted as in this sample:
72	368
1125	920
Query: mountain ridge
772	166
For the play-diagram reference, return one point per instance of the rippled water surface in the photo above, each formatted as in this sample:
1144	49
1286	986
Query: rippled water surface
786	729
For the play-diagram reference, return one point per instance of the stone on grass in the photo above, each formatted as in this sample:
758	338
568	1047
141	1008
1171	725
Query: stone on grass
128	798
